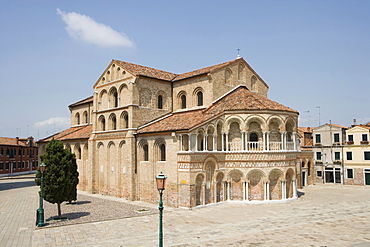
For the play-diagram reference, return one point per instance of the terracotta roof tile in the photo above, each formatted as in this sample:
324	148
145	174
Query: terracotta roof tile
6	141
172	77
87	100
205	70
146	71
239	98
79	132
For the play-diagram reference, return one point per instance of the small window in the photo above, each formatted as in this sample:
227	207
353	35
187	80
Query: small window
78	120
318	155
160	102
367	155
200	98
1	166
364	137
350	138
114	123
318	138
183	101
336	137
337	155
7	165
349	155
162	148
146	152
253	137
319	173
103	124
126	121
349	173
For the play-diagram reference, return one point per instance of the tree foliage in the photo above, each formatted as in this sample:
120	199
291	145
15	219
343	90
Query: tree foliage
61	175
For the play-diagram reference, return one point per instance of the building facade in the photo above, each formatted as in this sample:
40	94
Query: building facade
328	141
357	155
308	176
213	132
17	156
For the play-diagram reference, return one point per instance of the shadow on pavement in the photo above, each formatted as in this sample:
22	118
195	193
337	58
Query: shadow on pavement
300	193
78	203
16	185
69	216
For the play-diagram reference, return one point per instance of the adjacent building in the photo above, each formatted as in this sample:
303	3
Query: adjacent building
307	156
17	156
213	132
328	140
357	155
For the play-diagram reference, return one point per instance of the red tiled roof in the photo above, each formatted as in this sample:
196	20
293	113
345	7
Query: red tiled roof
79	132
305	129
146	71
205	70
6	141
337	125
239	98
168	76
87	100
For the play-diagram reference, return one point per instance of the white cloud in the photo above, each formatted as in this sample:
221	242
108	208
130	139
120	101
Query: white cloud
84	28
57	121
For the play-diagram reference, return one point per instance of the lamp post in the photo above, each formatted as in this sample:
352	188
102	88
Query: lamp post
161	184
41	209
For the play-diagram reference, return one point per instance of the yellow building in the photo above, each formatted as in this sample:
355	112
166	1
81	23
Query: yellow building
357	155
213	132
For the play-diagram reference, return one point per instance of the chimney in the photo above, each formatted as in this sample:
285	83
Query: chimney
354	121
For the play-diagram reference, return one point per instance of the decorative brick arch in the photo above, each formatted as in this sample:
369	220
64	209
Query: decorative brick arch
199	179
275	177
256	179
236	184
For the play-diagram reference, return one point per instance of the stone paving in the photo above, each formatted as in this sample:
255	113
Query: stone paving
324	215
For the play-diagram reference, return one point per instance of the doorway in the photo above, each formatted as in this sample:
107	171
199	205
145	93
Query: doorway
304	178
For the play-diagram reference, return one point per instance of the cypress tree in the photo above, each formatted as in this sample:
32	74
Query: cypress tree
61	175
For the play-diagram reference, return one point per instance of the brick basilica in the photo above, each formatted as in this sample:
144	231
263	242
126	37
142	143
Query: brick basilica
213	132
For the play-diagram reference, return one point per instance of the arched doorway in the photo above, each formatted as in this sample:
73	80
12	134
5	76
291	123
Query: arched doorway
236	188
219	194
275	184
210	169
256	190
198	189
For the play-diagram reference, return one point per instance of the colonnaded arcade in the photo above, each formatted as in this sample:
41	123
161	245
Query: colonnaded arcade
213	132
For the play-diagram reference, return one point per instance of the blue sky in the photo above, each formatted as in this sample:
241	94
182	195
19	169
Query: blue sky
314	55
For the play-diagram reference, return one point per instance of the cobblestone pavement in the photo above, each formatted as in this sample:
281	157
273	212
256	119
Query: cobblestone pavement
324	215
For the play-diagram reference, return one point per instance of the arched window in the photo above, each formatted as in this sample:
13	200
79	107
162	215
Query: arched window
160	102
115	98
78	120
162	148
114	123
86	117
183	101
200	98
146	152
126	121
102	123
253	137
254	83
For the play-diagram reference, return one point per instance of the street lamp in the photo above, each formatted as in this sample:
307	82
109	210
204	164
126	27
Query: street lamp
161	184
40	221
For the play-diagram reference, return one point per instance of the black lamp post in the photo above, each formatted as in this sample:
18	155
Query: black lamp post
161	184
41	209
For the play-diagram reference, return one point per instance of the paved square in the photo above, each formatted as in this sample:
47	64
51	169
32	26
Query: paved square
324	215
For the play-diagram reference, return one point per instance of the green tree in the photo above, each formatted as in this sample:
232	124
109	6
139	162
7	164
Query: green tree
60	176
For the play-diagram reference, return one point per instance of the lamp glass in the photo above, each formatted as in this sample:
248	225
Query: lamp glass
42	167
161	182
